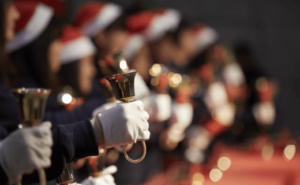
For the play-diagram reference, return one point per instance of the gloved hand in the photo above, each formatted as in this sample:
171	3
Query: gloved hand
264	113
141	88
104	107
105	179
124	124
25	150
160	109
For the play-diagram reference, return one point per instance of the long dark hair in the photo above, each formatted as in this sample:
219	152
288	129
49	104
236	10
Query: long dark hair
6	69
32	60
69	76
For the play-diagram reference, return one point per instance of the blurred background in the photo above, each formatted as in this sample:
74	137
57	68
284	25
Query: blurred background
269	28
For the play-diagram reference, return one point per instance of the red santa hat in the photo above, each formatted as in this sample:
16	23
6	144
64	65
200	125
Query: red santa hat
59	6
93	17
204	36
132	45
153	24
34	18
76	45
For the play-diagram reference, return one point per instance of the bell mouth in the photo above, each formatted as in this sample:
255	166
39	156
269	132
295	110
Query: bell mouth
24	90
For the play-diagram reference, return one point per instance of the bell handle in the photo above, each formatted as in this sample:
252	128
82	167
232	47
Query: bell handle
135	160
42	176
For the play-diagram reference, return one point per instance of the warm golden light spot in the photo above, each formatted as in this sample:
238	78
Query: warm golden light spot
224	163
154	81
66	98
267	152
289	151
197	183
261	84
155	70
198	177
101	151
215	175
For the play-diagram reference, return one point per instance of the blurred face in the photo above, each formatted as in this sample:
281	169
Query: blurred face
163	51
86	73
186	43
142	63
54	53
12	15
116	40
111	41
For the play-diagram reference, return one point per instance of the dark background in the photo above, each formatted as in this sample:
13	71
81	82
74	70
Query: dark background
270	27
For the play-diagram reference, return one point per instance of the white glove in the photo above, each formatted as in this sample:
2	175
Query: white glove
182	114
105	179
123	124
181	118
25	150
225	114
215	96
141	89
104	107
160	109
264	113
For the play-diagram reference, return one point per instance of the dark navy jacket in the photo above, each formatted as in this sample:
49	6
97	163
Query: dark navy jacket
57	115
70	141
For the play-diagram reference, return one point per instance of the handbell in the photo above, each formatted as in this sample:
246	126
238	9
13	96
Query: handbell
31	104
123	87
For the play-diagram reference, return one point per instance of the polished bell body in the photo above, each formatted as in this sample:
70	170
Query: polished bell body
67	176
123	87
31	104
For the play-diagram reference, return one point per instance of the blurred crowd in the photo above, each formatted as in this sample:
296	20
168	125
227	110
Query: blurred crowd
190	92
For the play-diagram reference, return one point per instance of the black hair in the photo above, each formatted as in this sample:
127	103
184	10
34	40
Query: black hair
175	35
6	69
32	60
68	75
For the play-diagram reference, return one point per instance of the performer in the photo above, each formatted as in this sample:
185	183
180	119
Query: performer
77	140
37	60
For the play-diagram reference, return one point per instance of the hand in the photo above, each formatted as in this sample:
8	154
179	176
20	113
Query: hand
141	88
160	107
25	150
124	124
104	107
105	179
182	115
264	113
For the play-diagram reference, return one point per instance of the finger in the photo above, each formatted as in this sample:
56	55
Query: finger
146	115
45	128
110	170
47	141
46	152
108	178
140	104
145	135
145	125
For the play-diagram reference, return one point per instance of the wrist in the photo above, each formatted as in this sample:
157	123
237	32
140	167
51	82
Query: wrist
98	130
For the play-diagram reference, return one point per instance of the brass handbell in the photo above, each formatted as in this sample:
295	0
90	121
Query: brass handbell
32	103
123	87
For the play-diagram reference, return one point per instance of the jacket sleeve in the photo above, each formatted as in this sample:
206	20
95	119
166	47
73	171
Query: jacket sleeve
70	142
61	116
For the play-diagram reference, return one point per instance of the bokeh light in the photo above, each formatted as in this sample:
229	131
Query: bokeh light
267	152
289	151
215	175
224	163
66	98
